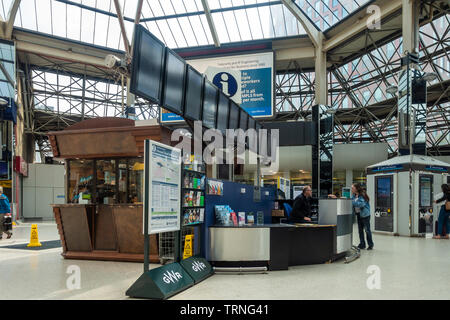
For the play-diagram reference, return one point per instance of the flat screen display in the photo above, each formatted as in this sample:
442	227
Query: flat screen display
233	119
425	187
209	105
173	96
223	108
383	192
194	95
252	139
243	118
147	65
251	123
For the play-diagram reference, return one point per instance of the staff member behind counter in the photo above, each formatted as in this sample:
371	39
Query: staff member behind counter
301	212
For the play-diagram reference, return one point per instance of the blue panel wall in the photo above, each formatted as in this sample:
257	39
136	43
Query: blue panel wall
238	201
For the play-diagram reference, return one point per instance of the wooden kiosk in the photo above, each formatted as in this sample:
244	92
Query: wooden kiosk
102	218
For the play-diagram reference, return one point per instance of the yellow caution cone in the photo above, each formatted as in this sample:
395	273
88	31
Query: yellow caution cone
34	238
188	246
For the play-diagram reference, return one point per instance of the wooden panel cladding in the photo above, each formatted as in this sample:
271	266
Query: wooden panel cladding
86	141
104	122
75	226
128	221
164	136
110	256
105	230
57	213
54	145
101	144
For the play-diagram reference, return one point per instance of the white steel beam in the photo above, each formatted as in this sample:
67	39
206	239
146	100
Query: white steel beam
210	20
313	33
410	26
386	7
137	19
122	26
320	56
59	54
10	19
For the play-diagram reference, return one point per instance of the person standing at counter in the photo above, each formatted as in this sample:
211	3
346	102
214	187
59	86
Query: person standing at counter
301	212
443	214
361	207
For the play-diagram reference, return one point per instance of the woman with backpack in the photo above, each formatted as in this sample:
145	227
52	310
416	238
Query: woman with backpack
444	214
361	208
5	208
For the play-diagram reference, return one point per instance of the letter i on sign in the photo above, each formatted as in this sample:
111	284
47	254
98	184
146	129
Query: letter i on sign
224	82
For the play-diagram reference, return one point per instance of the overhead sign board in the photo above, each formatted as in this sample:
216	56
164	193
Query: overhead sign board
246	79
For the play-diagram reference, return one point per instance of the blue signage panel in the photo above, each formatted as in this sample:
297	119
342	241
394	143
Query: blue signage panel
388	168
170	117
246	79
436	168
257	92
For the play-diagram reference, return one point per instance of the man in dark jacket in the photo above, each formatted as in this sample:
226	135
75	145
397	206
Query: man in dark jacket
301	211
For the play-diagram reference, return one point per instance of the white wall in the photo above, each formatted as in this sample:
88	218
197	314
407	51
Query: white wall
43	186
358	155
345	156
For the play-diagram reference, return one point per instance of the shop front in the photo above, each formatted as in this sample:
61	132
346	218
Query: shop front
102	219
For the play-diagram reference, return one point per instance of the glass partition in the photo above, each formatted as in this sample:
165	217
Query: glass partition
81	181
123	181
136	180
106	181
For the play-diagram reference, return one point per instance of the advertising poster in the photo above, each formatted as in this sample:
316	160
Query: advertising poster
246	79
163	191
215	187
167	116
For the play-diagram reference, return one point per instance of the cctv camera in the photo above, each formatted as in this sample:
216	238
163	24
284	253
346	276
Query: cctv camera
112	61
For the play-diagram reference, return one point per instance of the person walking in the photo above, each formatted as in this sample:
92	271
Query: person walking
443	218
361	208
5	208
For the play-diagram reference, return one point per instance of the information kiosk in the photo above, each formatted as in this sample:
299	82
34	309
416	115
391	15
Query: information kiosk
402	191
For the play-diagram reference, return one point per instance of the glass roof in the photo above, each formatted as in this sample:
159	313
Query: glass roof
326	13
8	59
178	23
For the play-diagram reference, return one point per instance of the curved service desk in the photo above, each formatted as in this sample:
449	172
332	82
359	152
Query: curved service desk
275	246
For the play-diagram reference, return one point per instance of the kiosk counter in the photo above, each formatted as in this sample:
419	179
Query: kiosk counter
102	218
276	246
271	245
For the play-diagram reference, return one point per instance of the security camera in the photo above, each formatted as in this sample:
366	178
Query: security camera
112	61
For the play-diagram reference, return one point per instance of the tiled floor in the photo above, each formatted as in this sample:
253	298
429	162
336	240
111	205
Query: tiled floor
409	268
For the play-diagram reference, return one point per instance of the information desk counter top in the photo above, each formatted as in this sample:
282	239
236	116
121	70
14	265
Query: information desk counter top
276	246
274	225
74	205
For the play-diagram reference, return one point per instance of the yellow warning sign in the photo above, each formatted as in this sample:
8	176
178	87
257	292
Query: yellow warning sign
188	246
34	238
